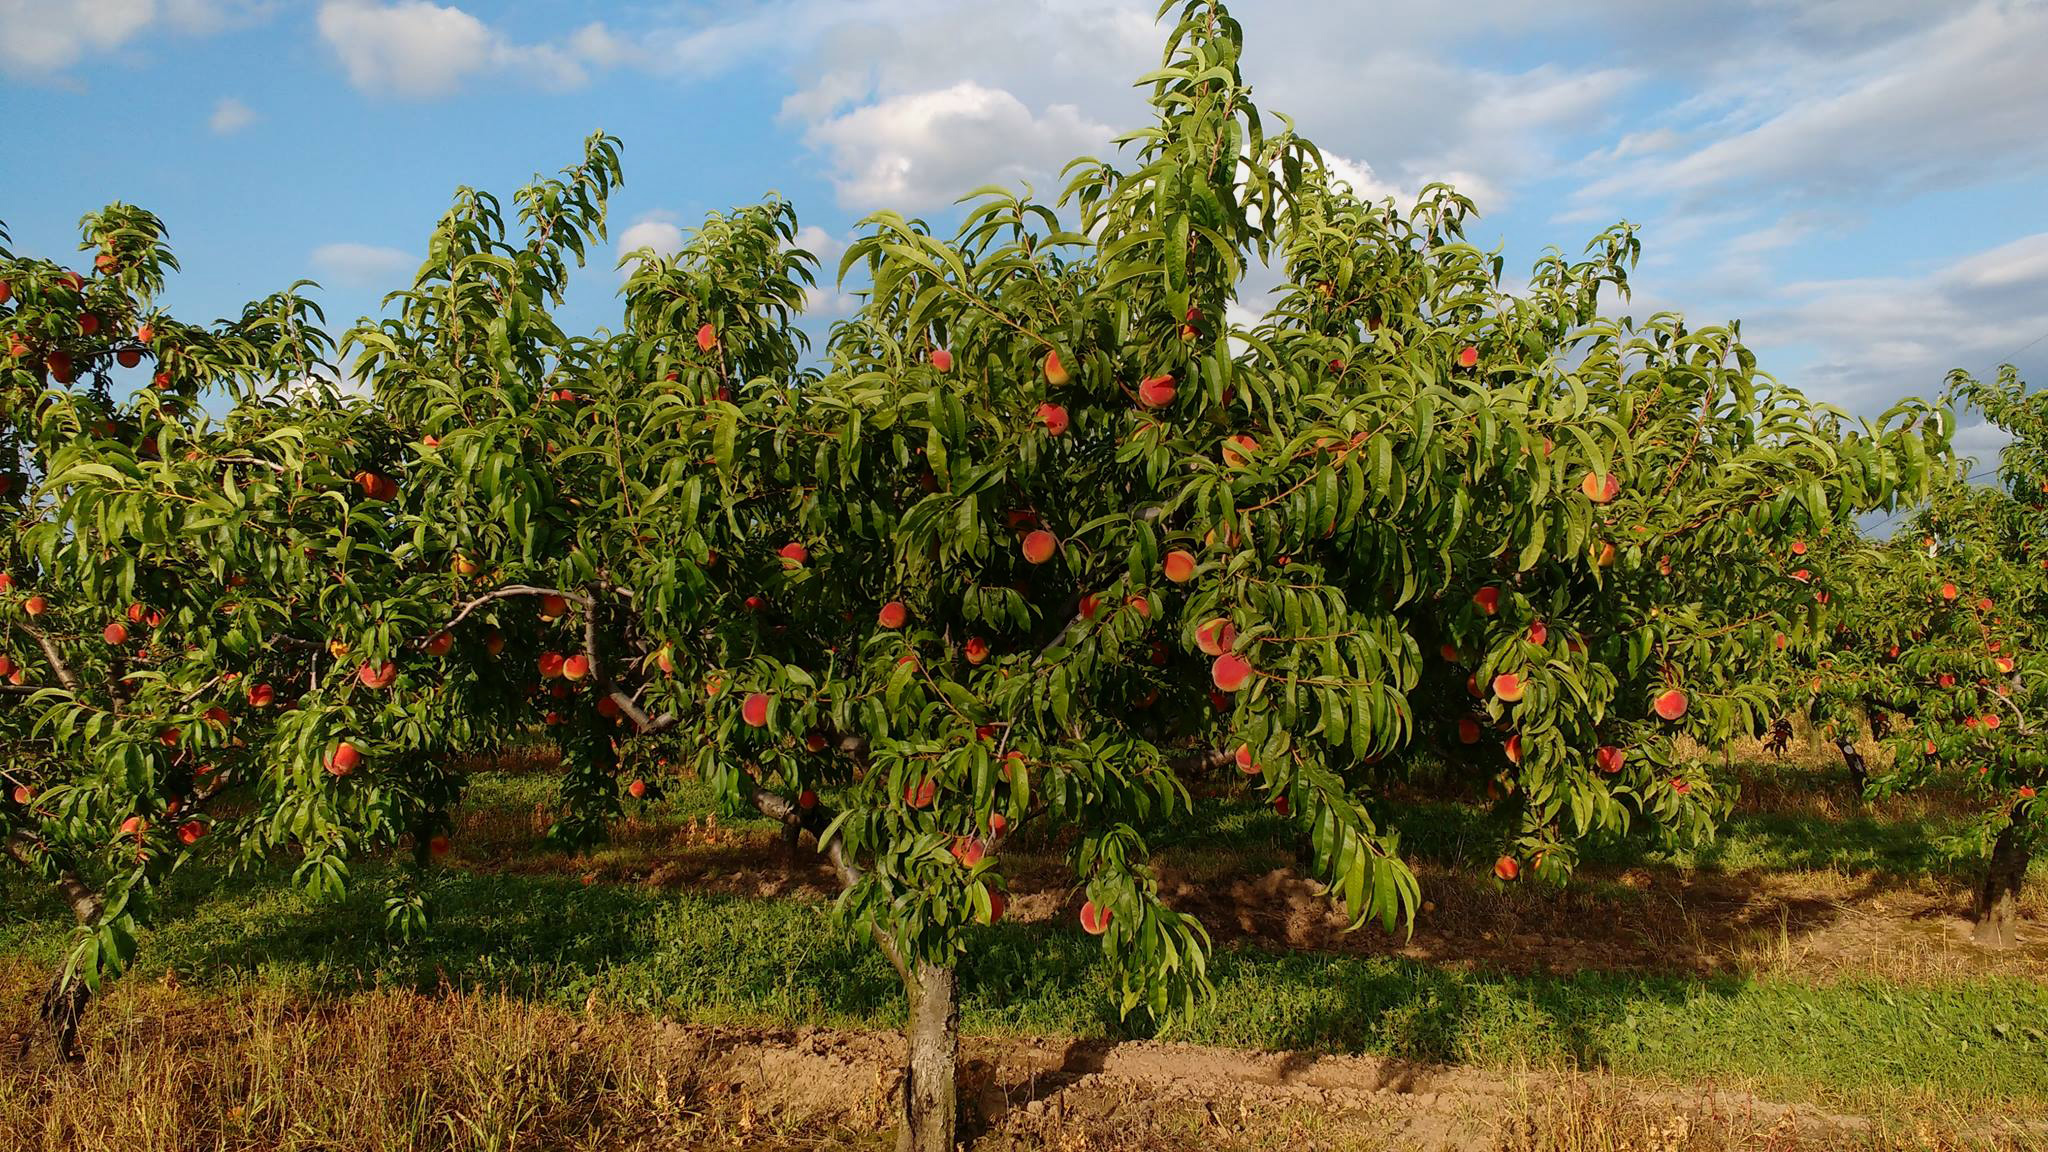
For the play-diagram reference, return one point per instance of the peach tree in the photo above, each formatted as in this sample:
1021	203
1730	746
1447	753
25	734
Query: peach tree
191	640
1617	558
1933	650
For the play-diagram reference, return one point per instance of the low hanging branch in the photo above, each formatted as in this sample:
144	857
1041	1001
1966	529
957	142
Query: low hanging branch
816	820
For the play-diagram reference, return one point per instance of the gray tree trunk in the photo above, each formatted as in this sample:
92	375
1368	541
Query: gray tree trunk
931	1106
1998	897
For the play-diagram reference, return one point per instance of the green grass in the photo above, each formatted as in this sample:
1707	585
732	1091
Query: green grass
1858	1045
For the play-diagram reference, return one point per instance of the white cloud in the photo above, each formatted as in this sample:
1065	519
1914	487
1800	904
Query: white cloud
43	36
230	116
656	230
416	49
923	149
1880	337
363	265
1963	98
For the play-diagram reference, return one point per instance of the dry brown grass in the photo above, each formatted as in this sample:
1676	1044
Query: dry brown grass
169	1070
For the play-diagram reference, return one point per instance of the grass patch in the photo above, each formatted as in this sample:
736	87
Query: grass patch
550	940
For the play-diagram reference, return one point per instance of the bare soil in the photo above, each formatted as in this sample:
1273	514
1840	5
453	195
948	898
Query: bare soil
254	1070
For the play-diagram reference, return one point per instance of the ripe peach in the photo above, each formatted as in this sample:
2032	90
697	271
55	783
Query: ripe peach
1245	763
1514	748
976	649
551	664
1156	391
755	710
1054	418
35	605
1508	686
794	555
116	634
1055	372
637	789
1094	918
997	905
807	799
1468	730
1670	705
553	607
1539	634
942	360
1180	566
1231	672
1507	868
1039	545
1949	592
892	615
1600	489
1468	357
1609	758
344	759
440	643
921	794
969	850
377	675
707	338
261	695
576	667
1488	600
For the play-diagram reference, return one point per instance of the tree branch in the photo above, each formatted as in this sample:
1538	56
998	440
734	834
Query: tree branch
817	819
28	851
55	658
628	706
512	591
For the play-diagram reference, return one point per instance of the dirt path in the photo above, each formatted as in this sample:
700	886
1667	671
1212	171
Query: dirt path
1035	1094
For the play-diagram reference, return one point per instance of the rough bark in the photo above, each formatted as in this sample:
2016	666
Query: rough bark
931	1103
1998	897
63	1003
1859	772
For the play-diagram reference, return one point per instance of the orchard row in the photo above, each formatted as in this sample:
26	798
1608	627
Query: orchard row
1037	538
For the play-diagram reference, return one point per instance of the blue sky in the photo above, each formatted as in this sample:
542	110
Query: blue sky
1863	182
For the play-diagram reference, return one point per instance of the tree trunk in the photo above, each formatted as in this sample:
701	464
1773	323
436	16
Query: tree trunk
1998	898
63	1004
1858	772
930	1103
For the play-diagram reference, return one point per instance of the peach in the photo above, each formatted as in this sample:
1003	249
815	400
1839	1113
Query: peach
1231	672
344	759
755	710
1600	489
1180	566
1094	918
1039	545
1215	637
1670	705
